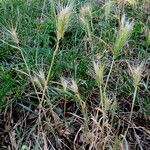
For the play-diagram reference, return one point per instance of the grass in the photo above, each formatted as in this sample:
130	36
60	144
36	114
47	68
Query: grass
74	74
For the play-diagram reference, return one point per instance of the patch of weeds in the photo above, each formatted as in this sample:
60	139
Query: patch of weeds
71	76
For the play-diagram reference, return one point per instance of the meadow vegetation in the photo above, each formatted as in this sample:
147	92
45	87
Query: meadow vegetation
74	74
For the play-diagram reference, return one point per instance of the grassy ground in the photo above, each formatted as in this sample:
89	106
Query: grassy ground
74	75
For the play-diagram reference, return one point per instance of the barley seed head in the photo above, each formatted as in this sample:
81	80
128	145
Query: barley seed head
74	86
86	11
64	83
39	79
136	73
14	35
63	19
85	14
69	84
99	72
125	32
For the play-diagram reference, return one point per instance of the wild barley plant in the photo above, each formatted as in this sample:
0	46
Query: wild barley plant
72	85
74	88
99	73
136	73
124	33
86	19
14	35
62	21
39	79
82	103
107	105
64	83
15	38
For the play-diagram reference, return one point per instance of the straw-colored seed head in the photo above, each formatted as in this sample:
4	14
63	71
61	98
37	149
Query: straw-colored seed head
123	36
99	72
136	72
42	77
126	24
14	35
86	11
63	18
64	83
85	15
39	80
107	104
37	83
69	84
74	86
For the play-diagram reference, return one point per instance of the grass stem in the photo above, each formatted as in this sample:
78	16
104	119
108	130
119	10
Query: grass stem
49	71
111	67
133	101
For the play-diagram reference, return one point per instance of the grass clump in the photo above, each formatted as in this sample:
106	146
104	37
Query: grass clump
70	77
136	73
